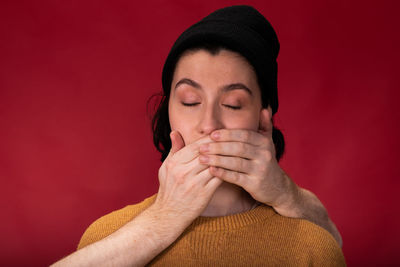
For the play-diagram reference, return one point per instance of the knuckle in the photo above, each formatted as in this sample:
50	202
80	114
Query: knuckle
267	155
170	164
167	166
265	139
268	143
179	178
218	172
263	168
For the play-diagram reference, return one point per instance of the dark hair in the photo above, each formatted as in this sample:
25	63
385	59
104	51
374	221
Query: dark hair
160	123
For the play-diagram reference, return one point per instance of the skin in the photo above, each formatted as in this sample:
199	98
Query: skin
218	96
207	96
222	161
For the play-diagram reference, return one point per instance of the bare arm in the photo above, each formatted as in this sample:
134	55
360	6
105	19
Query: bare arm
186	187
302	203
135	244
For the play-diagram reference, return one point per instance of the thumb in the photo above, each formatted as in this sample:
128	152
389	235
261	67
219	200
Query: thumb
265	126
177	142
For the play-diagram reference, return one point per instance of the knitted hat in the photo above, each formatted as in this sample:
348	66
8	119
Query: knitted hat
241	29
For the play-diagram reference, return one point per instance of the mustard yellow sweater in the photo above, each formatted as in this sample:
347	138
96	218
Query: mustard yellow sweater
259	237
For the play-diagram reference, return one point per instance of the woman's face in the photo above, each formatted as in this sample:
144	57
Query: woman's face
211	92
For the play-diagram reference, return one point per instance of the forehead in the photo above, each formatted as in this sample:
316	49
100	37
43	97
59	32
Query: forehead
217	69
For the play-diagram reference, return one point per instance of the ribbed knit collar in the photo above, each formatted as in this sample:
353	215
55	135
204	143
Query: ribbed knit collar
231	222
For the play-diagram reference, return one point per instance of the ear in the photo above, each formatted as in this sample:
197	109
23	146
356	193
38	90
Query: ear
265	125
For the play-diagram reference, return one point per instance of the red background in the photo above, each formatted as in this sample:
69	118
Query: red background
75	140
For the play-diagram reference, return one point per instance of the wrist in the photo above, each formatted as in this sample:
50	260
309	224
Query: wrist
287	203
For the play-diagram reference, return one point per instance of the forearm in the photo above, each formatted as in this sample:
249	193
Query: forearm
311	208
135	244
301	203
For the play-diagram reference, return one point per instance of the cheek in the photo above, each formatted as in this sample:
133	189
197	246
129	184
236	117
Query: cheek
249	121
180	122
246	118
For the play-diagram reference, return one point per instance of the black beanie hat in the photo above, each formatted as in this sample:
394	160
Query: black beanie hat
239	28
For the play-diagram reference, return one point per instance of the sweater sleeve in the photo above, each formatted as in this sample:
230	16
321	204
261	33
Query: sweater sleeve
108	224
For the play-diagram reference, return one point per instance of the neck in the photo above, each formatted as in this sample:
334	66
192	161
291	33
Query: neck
228	199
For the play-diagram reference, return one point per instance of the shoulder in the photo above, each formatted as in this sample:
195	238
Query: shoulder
108	224
323	247
309	243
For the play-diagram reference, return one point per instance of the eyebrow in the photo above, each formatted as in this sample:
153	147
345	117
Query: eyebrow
225	88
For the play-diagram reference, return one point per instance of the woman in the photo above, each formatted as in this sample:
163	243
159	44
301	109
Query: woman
222	192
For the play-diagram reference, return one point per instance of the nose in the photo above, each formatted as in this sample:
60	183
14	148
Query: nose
210	120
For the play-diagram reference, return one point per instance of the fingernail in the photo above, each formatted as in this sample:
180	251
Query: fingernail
204	148
203	159
215	135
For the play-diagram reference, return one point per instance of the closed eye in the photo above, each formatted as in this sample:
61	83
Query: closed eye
232	107
190	104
